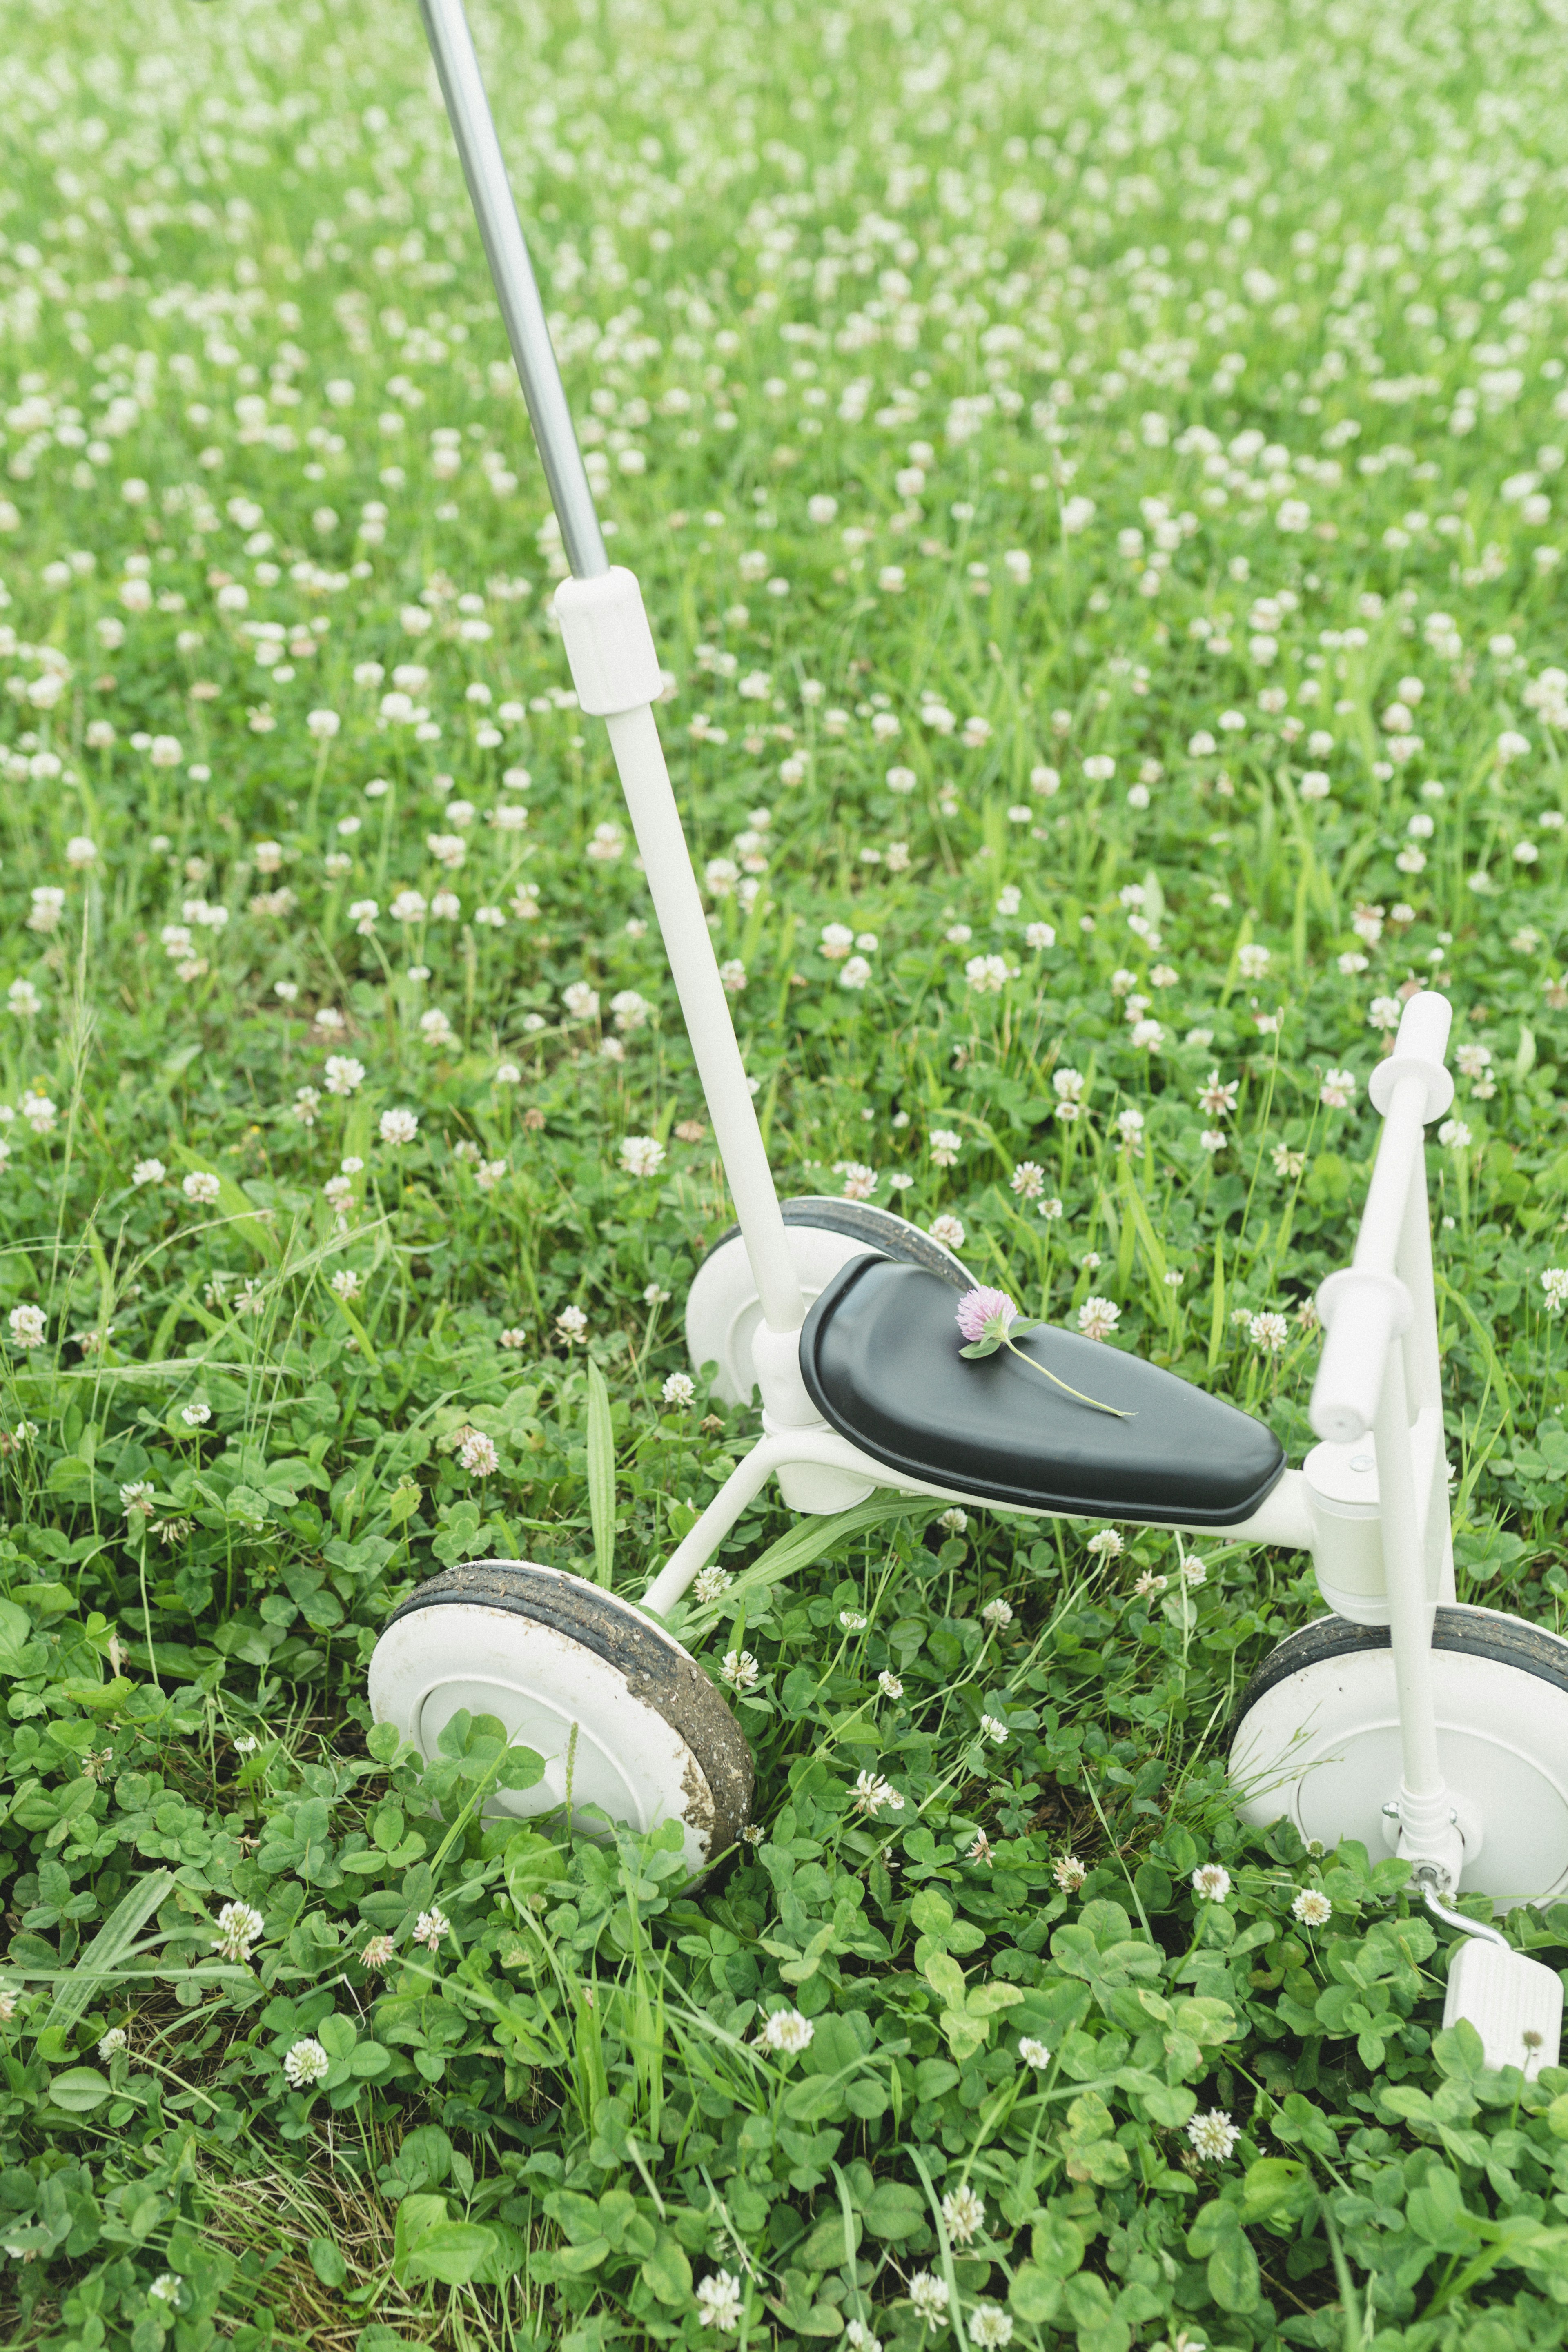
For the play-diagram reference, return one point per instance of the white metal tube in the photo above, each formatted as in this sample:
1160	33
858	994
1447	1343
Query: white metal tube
1409	1610
1282	1519
474	131
651	798
1400	1147
1412	1264
700	1543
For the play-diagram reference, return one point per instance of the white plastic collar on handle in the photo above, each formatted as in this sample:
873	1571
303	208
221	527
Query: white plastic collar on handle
1418	1051
609	645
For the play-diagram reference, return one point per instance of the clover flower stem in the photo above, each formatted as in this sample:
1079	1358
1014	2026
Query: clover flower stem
1115	1409
1115	1849
146	1605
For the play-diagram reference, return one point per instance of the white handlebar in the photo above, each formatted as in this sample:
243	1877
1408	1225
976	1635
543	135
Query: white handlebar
1364	1307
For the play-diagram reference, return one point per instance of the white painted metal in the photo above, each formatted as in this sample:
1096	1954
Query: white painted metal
687	943
1283	1516
605	1747
1426	1814
1346	1544
1379	1361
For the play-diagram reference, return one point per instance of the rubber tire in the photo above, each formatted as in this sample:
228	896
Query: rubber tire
1503	1733
723	1312
506	1627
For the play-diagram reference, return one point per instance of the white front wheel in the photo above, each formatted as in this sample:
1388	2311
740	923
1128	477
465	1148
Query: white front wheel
1316	1740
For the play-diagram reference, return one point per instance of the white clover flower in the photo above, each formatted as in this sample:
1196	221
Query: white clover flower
477	1455
994	1728
740	1670
998	1613
927	2293
345	1076
873	1795
1098	1318
430	1926
990	2327
28	1326
1213	2134
720	2299
305	2063
1313	1908
201	1186
165	2287
888	1685
148	1172
1033	2054
1211	1881
641	1155
786	2032
678	1391
239	1927
711	1584
397	1127
113	2042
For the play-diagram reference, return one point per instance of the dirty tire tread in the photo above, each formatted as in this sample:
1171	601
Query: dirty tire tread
655	1668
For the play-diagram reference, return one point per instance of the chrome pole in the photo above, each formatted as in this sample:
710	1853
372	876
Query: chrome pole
473	128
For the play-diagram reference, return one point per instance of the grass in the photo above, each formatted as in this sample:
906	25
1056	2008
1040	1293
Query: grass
1095	478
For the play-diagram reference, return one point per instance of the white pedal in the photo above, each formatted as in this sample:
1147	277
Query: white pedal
1514	2004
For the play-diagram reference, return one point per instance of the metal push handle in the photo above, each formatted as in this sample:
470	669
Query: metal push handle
615	671
474	130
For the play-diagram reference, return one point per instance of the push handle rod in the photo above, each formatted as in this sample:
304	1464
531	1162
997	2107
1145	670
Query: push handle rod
617	673
473	128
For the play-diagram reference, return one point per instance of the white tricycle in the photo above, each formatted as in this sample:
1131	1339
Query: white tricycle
1418	1726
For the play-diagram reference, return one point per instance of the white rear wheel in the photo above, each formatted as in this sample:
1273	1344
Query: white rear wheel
723	1312
1316	1740
630	1729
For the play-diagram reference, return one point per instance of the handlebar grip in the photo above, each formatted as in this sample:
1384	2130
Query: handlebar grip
1419	1052
1361	1314
1423	1028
